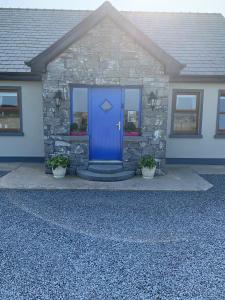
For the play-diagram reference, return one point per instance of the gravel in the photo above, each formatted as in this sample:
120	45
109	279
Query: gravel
113	245
3	173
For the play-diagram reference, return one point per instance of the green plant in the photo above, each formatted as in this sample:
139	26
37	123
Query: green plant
130	127
148	162
58	161
83	126
74	127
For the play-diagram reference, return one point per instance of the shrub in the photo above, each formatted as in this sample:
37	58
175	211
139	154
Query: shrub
58	161
148	162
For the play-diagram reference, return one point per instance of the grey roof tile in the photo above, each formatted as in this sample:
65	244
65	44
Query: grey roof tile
195	39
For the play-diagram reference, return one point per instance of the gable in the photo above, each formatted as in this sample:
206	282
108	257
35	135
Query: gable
38	64
106	51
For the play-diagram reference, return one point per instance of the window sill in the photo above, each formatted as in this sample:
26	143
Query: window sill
186	136
82	133
75	138
219	136
11	134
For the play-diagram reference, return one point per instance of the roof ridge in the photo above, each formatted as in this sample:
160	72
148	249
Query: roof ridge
123	11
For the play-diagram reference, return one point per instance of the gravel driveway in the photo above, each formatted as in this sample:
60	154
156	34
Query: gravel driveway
113	245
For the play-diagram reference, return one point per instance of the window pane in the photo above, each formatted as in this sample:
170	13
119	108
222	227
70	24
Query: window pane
80	100
131	121
184	123
9	120
221	122
222	104
8	99
186	102
132	98
80	110
80	122
131	113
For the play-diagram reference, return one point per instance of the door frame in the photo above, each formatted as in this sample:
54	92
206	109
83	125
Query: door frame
122	87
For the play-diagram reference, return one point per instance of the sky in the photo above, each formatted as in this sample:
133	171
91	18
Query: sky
140	5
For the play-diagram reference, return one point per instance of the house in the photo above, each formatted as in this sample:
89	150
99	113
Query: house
106	85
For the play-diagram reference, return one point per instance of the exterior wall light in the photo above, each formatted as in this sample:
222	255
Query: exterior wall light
58	97
152	100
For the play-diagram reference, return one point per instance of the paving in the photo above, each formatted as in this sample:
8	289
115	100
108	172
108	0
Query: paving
106	245
32	176
207	169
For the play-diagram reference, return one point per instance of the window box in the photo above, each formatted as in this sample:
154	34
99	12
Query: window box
81	133
134	133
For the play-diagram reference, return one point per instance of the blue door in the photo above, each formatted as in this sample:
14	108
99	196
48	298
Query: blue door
105	123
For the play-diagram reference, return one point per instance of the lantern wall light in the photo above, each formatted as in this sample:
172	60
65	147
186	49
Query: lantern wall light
152	100
58	97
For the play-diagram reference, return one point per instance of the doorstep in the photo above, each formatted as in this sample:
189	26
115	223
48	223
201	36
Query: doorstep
32	176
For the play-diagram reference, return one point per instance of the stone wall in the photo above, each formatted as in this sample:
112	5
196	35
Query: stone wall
105	56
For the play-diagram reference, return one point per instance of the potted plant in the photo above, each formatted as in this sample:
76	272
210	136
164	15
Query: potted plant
58	163
131	129
148	166
76	131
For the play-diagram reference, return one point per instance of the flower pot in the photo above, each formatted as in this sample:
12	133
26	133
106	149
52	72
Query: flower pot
132	133
81	133
59	172
148	173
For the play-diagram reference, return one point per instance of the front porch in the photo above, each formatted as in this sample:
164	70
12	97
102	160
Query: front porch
107	84
178	178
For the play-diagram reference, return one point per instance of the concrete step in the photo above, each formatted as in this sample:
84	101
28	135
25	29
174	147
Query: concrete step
105	169
92	176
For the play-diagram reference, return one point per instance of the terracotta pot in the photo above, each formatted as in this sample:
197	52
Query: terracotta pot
148	173
59	172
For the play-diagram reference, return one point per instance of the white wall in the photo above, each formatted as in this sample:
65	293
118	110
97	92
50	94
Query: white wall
208	146
32	143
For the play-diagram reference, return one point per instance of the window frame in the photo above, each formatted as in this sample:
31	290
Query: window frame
140	88
72	87
219	133
13	131
123	87
199	111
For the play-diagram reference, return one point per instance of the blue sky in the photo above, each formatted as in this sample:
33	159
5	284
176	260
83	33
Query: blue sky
150	5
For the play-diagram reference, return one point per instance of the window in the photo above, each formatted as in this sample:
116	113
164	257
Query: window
186	113
221	114
79	111
10	110
132	111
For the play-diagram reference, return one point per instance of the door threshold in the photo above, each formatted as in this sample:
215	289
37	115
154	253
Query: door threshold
108	162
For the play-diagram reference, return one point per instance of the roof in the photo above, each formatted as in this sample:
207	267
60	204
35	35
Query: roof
39	63
194	39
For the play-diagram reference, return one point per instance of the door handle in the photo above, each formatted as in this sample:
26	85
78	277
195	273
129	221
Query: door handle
118	125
